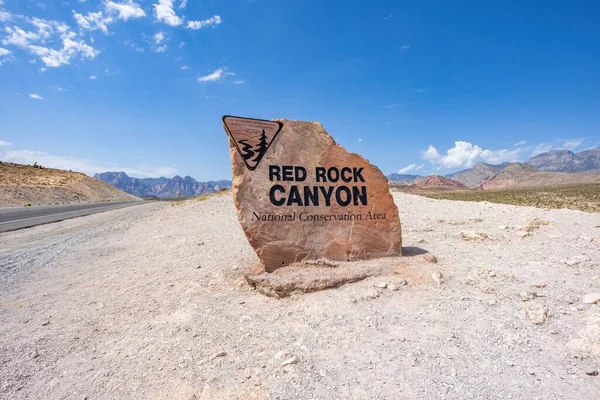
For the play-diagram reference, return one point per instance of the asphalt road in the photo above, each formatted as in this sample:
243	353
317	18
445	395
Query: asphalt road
24	217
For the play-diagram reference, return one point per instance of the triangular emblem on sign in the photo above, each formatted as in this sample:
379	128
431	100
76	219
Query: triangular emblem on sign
252	137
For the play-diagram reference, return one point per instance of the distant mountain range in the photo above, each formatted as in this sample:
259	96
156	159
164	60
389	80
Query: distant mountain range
161	187
403	177
475	176
567	161
552	161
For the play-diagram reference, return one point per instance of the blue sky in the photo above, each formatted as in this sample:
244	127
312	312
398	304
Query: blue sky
414	86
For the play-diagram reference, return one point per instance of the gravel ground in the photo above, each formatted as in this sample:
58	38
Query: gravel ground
150	302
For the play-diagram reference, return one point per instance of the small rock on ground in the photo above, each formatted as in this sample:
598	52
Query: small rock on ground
536	312
591	298
437	277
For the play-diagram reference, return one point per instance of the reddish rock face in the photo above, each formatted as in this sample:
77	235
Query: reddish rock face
439	181
307	198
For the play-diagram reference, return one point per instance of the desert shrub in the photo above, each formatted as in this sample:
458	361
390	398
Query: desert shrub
584	197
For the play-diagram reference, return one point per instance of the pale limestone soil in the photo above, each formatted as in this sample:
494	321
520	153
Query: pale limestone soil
114	306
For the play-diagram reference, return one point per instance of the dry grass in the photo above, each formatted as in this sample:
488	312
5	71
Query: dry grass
24	185
19	175
583	197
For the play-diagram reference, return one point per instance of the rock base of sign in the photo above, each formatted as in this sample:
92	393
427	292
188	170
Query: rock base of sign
310	199
392	273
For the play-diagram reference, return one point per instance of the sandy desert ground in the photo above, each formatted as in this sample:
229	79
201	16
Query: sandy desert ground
150	303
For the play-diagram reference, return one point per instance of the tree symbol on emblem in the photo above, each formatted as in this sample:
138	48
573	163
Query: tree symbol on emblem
262	147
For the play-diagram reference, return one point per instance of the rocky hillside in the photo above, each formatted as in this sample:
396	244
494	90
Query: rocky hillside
22	185
524	175
162	187
403	177
552	161
436	181
567	161
473	177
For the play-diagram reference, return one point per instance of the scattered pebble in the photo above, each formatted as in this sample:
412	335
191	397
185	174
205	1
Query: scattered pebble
371	295
47	322
430	258
473	236
592	372
502	227
591	298
382	285
219	354
392	287
536	312
526	296
290	361
437	277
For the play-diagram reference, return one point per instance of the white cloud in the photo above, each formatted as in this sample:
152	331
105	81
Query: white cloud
159	37
239	82
55	32
60	89
183	4
405	47
212	21
42	69
500	156
5	55
541	148
410	168
93	21
134	46
35	96
71	48
572	144
165	13
93	77
431	154
465	155
4	16
215	76
19	37
4	143
520	143
126	10
184	67
82	165
161	49
360	139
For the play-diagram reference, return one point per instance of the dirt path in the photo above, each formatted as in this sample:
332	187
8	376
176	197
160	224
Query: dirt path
151	303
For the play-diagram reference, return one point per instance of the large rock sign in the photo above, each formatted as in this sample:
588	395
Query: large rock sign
300	196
